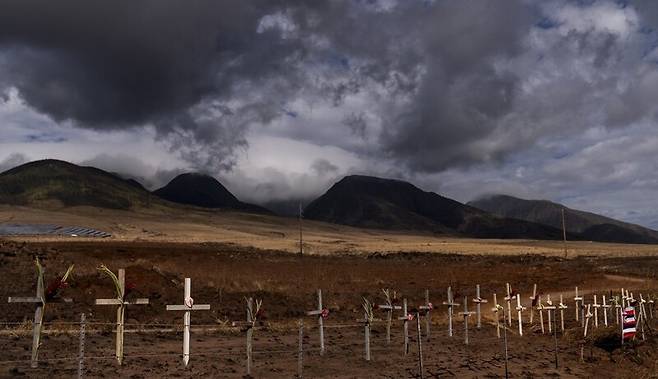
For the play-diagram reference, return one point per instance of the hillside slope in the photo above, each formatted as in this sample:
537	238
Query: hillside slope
58	183
590	226
392	204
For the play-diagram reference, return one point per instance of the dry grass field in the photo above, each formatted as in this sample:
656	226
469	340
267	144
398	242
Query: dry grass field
231	255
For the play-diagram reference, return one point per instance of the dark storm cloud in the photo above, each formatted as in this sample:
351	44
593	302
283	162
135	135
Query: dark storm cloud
175	65
442	83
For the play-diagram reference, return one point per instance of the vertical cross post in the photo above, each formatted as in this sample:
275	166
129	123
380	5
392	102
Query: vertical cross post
533	299
478	301
250	333
550	308
466	315
605	307
651	302
509	299
121	304
562	307
389	307
495	310
596	307
322	313
187	306
39	300
405	319
427	307
577	299
587	316
450	303
540	309
520	309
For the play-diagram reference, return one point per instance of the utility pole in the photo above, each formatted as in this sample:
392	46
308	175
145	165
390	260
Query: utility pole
564	234
301	241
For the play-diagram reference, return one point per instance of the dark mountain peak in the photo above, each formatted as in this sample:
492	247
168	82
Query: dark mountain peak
198	189
367	201
205	191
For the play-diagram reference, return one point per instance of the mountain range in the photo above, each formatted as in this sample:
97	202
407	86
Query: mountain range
589	226
356	200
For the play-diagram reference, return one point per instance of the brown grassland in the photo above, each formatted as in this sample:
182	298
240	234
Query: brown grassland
231	255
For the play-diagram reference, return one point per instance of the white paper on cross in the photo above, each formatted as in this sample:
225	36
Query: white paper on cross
121	304
187	306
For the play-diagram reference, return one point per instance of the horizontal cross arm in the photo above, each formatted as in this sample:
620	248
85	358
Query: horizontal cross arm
140	301
314	313
23	299
390	307
109	302
195	307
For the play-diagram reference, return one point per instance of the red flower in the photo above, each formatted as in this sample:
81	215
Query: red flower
54	288
130	287
325	313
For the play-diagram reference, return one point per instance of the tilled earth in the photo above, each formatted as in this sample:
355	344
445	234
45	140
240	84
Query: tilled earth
223	275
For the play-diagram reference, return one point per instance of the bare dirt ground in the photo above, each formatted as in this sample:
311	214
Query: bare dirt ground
242	255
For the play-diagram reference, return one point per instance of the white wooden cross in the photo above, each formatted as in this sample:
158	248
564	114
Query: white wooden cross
450	303
550	309
533	298
405	318
187	306
596	307
389	307
520	309
368	318
586	317
39	301
495	310
578	300
562	307
643	308
121	304
322	313
605	307
623	298
466	314
478	301
540	310
509	299
618	309
651	305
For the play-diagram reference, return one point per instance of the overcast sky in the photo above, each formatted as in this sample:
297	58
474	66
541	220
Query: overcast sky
278	99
